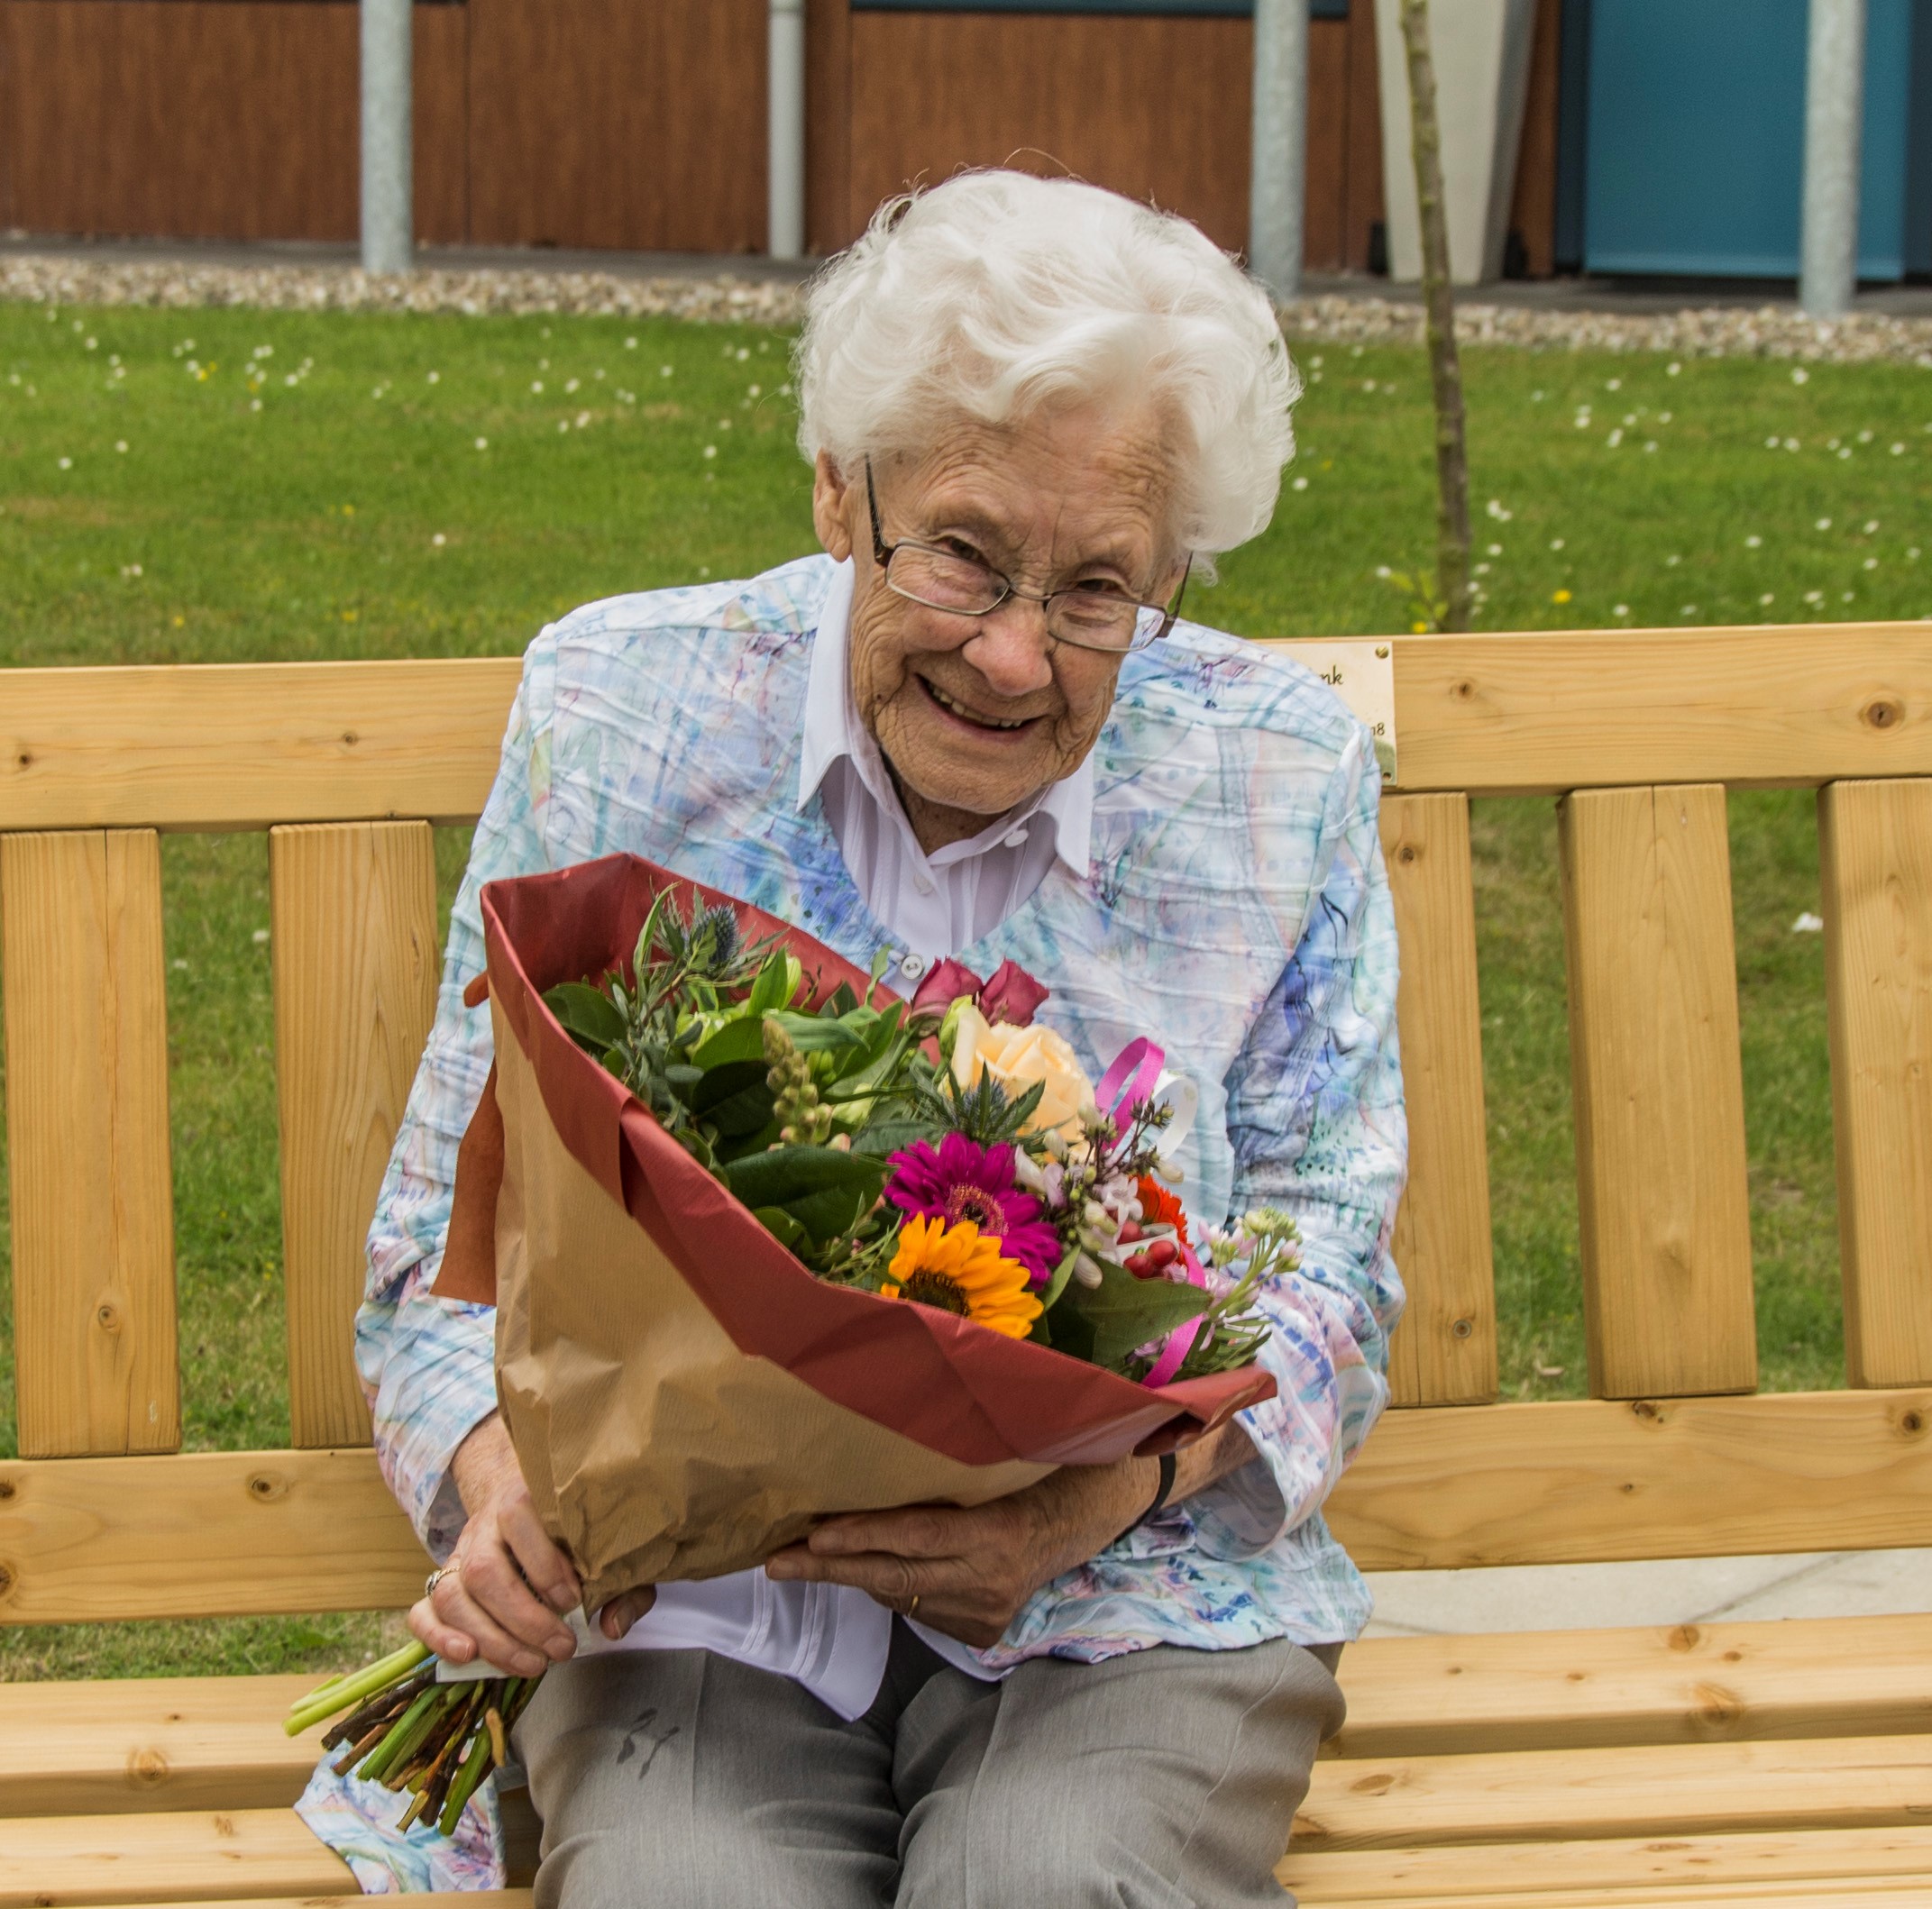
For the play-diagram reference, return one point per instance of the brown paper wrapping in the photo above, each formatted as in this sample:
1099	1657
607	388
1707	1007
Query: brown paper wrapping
684	1396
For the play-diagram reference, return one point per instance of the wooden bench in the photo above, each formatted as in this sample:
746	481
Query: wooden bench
1741	1763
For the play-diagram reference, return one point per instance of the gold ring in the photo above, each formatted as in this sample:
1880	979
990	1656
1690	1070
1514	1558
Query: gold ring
434	1578
912	1609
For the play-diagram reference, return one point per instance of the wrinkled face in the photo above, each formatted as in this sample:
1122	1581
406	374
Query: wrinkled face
976	714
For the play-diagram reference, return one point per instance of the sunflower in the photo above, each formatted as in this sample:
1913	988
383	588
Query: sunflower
953	1268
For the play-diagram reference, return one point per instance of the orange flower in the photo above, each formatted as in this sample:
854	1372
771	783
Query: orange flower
1158	1207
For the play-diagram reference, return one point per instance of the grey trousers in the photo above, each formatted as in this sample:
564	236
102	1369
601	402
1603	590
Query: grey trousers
1164	1779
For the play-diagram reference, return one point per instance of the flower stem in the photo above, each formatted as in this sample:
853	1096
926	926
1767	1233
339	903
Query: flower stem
348	1691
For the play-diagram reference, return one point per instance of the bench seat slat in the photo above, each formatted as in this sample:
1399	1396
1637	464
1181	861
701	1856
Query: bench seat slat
113	1745
1689	1683
427	1899
1704	1789
165	1857
1517	1873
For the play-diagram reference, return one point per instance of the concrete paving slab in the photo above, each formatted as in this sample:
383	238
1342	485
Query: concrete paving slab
1662	1591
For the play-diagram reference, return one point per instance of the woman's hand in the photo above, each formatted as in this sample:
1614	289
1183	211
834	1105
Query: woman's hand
971	1570
504	1585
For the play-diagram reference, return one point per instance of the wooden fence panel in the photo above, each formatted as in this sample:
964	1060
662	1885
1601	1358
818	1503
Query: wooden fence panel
1875	845
355	992
87	1102
1662	1198
608	122
1444	1350
231	119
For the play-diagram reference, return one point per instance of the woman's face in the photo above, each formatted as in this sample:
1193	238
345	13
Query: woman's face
976	714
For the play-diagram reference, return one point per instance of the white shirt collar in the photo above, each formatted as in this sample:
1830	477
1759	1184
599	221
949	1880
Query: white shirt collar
833	731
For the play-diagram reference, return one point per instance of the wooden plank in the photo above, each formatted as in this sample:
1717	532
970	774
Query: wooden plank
426	1899
164	1856
1675	1789
1657	1080
108	1745
1864	1677
202	1534
86	1097
1444	1349
241	746
1663	1872
1579	1481
98	98
354	912
1911	1892
1059	93
565	94
1875	848
1493	715
1582	1481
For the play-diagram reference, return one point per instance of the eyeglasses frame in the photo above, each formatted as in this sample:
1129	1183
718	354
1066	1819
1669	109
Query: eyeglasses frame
884	552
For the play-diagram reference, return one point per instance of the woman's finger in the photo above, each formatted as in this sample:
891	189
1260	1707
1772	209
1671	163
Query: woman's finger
621	1612
490	1575
545	1569
461	1613
432	1634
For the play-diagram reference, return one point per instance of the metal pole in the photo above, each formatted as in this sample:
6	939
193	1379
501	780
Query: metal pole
1277	184
1834	87
388	168
785	121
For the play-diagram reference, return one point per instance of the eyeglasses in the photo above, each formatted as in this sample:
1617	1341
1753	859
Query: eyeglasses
1088	615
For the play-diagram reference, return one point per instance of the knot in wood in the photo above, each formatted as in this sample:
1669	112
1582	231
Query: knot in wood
7	1489
107	1317
349	739
265	1487
26	761
1462	692
1912	1424
1718	1707
1685	1637
147	1769
9	1579
1647	1409
1462	1328
1881	713
1407	852
1376	1785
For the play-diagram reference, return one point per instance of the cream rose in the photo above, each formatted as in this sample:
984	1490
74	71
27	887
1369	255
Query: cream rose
1017	1057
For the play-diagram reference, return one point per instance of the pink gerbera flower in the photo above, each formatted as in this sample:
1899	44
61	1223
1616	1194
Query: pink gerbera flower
962	1180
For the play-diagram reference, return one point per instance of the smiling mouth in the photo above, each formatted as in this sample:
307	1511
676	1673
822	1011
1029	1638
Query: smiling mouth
959	709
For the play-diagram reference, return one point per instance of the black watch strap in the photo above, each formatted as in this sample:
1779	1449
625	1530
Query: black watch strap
1160	1497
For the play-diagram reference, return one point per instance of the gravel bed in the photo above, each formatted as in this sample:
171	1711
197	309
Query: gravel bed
1771	331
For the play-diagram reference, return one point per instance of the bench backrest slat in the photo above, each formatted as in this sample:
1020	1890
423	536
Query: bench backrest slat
1657	1080
87	1098
354	913
1444	1353
1875	851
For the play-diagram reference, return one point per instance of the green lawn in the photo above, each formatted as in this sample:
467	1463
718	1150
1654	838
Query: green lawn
440	484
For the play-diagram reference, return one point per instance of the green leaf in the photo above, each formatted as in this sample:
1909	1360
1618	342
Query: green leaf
737	1040
1125	1311
788	1175
890	1134
589	1016
774	985
842	1002
735	1099
782	1227
811	1034
831	1211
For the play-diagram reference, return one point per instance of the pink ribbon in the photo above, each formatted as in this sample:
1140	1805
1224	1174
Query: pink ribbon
1180	1341
1131	1079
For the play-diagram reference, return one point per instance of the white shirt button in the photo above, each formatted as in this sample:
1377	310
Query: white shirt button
923	882
912	965
1016	840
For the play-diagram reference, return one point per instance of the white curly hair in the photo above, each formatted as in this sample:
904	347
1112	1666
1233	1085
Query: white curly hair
998	293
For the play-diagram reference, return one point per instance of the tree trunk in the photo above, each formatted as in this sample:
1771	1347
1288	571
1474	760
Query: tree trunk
1445	371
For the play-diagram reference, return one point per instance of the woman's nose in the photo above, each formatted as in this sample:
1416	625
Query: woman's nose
1010	648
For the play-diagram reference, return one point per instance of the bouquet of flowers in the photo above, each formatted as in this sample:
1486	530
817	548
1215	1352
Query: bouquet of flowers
950	1152
766	1245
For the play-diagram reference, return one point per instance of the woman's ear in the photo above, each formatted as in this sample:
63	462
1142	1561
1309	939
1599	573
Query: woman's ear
833	500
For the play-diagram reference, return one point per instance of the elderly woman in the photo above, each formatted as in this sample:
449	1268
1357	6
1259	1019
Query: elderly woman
974	727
